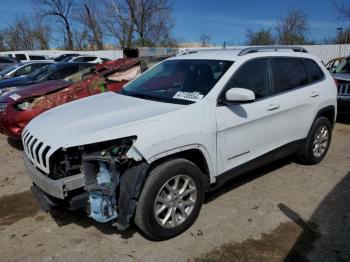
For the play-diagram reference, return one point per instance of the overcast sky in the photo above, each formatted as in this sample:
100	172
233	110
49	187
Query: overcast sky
223	20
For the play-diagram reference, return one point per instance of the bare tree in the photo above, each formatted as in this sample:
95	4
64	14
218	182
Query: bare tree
20	36
343	9
205	40
80	39
150	17
61	11
3	40
293	28
262	37
118	22
42	34
90	17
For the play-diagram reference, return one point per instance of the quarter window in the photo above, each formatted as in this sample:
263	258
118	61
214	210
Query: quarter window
315	73
254	76
289	73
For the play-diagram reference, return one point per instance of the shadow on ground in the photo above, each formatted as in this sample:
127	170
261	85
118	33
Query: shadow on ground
64	217
324	238
246	178
15	143
343	119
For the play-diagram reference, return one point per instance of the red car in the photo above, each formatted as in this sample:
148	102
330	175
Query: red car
20	106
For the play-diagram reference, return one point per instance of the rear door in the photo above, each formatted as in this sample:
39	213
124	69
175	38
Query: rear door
297	94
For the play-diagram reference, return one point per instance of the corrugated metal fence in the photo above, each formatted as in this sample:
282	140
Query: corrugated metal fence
328	52
325	52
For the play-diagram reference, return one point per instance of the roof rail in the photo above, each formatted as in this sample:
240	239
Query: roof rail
256	49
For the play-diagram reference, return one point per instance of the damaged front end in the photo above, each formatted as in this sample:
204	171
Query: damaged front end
111	182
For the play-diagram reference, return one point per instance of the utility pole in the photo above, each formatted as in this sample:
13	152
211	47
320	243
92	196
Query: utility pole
340	30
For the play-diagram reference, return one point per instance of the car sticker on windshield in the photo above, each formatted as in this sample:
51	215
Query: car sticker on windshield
195	96
15	96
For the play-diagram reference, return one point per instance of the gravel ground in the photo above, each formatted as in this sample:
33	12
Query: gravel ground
282	212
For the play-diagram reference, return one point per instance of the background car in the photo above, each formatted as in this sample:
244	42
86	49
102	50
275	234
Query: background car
342	76
54	71
22	69
20	106
86	59
7	61
24	57
332	64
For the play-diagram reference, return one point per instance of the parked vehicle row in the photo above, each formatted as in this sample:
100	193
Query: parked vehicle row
341	74
62	83
151	150
13	59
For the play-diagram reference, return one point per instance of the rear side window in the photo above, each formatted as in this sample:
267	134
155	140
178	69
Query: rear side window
36	57
314	71
88	59
289	73
21	56
253	75
64	72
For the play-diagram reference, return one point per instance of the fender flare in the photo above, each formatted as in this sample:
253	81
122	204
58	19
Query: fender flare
211	167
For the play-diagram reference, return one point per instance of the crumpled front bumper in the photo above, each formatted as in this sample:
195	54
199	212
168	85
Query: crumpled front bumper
56	188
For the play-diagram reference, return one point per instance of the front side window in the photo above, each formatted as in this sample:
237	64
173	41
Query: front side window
253	75
289	73
178	81
25	70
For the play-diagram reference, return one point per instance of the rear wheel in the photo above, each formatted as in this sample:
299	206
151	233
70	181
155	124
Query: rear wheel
171	199
317	142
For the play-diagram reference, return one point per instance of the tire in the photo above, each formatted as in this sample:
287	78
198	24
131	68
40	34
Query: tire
307	155
156	188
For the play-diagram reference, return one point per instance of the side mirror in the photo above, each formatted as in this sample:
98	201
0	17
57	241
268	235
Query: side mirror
239	95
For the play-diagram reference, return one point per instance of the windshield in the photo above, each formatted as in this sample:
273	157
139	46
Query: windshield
343	67
81	75
178	81
8	70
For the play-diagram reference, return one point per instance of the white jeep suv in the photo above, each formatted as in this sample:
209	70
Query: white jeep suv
185	126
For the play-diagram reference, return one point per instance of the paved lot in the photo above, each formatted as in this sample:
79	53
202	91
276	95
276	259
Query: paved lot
284	211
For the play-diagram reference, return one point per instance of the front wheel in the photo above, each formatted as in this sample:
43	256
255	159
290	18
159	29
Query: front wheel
171	199
317	142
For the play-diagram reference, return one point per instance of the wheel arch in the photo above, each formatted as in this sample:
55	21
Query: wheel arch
328	112
194	153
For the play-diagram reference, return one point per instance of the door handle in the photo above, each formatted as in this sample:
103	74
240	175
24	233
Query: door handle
315	94
273	107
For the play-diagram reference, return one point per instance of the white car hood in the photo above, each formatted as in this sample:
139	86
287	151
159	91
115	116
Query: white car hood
96	119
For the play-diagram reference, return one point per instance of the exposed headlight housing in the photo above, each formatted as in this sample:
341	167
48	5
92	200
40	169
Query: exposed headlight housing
3	106
24	106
